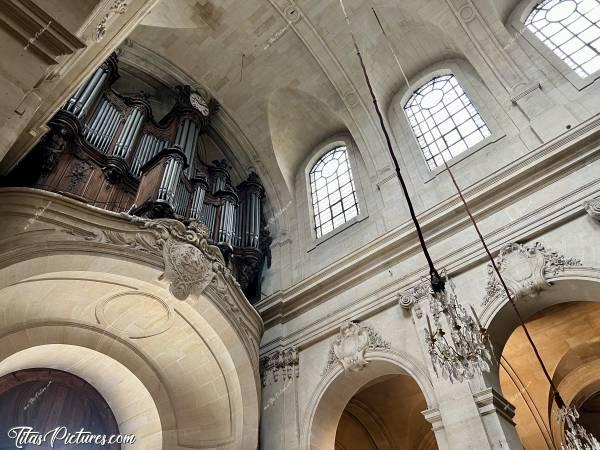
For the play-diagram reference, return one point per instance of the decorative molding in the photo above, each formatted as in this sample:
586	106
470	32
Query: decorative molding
40	32
592	207
135	314
434	417
350	345
118	7
282	364
525	269
410	299
190	263
489	401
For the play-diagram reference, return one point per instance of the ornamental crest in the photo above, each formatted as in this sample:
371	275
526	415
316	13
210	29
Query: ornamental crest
351	344
522	269
191	263
525	269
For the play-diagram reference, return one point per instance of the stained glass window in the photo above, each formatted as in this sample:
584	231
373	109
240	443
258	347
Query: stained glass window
571	29
333	194
444	120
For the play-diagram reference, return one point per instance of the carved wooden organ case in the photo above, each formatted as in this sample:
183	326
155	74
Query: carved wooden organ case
107	150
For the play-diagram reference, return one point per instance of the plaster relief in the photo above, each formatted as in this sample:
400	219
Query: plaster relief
280	365
525	269
592	207
350	345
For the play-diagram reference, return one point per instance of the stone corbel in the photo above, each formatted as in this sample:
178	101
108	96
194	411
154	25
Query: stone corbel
279	365
592	207
434	417
410	299
489	401
350	345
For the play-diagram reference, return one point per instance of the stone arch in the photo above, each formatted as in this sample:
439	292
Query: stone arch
337	387
298	123
114	301
537	291
573	284
139	418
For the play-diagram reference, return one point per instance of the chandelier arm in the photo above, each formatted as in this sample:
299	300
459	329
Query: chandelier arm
437	283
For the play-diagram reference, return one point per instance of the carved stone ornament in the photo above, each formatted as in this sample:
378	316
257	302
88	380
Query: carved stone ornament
411	298
592	207
280	365
350	345
117	7
190	263
525	269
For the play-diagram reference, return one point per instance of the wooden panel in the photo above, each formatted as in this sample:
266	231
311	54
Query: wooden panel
45	399
150	183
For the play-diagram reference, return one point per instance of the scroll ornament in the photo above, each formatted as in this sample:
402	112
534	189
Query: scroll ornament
350	345
280	365
592	207
525	269
191	264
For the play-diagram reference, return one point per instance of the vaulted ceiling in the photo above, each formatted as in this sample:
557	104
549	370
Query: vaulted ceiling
286	74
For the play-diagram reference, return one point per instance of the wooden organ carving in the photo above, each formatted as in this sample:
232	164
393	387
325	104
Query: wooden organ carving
107	150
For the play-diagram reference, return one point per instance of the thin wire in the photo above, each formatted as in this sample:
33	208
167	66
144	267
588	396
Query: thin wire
556	394
512	374
437	283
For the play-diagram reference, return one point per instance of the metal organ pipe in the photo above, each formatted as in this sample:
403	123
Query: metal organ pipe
83	93
110	130
73	99
92	124
198	200
131	128
92	96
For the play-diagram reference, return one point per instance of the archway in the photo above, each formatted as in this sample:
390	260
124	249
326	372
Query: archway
55	404
563	322
344	392
385	414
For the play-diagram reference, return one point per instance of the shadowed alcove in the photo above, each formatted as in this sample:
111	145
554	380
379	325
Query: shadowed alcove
50	399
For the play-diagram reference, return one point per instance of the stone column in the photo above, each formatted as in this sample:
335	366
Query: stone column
279	413
480	421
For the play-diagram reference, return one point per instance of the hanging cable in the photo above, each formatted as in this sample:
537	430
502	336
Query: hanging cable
437	282
556	394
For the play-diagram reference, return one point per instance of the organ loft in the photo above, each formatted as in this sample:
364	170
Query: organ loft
108	150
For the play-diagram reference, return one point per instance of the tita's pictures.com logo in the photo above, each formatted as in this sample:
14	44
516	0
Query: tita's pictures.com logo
60	436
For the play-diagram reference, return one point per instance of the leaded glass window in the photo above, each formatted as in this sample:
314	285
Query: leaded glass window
444	120
333	194
571	29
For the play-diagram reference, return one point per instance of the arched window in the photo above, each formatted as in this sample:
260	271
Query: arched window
333	193
571	29
444	120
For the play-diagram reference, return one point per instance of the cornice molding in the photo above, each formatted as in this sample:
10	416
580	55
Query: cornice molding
532	172
50	224
38	31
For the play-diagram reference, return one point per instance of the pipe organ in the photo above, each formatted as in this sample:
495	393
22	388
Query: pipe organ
107	149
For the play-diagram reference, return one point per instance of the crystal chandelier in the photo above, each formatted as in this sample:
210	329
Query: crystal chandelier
461	351
576	437
465	355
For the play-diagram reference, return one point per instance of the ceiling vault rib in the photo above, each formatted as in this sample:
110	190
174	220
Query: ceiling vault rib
348	90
